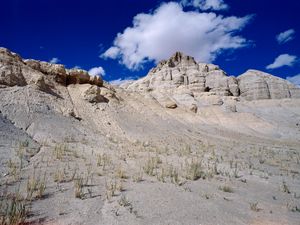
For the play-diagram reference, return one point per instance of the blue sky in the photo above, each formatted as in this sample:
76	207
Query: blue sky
235	34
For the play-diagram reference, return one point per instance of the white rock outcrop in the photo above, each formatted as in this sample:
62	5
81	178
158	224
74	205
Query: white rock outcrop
193	85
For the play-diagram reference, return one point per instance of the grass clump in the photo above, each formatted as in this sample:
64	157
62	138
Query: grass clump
60	151
59	176
78	187
151	165
254	206
35	185
103	160
13	211
120	173
137	177
194	170
285	188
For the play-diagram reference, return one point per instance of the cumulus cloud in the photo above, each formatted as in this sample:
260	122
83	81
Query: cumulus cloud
205	4
112	52
54	60
97	71
283	60
295	80
156	36
286	36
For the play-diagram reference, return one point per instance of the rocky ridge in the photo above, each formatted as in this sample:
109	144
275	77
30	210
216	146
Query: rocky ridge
180	80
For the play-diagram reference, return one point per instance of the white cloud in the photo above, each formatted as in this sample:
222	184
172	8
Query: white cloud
54	60
156	36
97	71
121	81
283	60
206	4
295	80
286	36
112	52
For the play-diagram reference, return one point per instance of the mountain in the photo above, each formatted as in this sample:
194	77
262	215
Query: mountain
185	81
186	144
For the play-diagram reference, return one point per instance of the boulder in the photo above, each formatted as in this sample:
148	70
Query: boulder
93	94
170	105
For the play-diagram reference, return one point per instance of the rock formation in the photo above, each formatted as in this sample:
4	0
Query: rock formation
15	71
32	91
182	81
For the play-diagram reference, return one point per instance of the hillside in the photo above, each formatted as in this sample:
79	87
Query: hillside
186	144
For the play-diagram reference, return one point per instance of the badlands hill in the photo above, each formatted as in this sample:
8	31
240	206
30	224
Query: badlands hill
186	144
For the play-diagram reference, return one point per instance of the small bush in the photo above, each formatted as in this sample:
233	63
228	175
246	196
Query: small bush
254	207
226	188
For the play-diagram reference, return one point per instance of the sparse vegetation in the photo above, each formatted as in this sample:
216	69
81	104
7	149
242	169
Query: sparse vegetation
60	151
291	206
226	188
194	170
35	185
254	206
285	188
13	169
138	176
112	187
103	160
13	211
78	187
59	176
120	173
151	166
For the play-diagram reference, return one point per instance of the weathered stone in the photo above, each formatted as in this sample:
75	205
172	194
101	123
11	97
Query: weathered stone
11	69
256	85
58	71
180	74
171	105
39	82
11	75
93	94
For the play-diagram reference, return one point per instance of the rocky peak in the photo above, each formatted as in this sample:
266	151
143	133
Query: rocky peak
180	80
180	59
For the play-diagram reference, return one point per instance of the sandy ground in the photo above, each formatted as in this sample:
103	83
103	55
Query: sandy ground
139	163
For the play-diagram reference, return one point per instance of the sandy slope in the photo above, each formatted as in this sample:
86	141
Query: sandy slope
252	152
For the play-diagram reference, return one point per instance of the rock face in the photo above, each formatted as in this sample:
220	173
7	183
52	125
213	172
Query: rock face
43	76
64	76
189	84
181	70
10	69
93	94
258	85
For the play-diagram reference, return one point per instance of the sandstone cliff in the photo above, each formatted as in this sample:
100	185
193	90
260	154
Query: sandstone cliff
180	80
